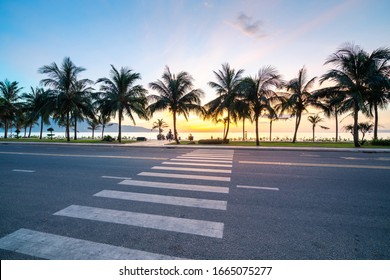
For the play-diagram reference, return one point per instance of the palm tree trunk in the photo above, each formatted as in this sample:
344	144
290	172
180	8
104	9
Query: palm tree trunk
120	126
243	129
103	126
68	126
257	130
297	121
41	132
29	131
355	126
375	122
270	130
93	133
337	125
227	128
314	127
174	128
75	128
5	128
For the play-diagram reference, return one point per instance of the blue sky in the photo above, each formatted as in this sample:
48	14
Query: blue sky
195	36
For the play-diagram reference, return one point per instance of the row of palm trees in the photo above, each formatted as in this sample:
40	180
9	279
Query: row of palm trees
360	83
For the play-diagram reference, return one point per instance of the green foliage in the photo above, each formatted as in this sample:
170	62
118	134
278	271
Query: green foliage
381	142
108	138
213	141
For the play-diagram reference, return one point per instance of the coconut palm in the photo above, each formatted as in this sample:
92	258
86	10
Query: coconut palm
330	103
83	103
314	120
39	104
297	98
93	124
119	96
104	121
63	83
363	127
379	84
176	94
9	103
160	124
228	101
259	91
354	75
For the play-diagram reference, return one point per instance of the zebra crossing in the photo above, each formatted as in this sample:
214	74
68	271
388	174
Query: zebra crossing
190	167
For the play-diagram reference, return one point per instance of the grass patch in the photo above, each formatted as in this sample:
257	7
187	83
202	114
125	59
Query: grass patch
290	144
85	141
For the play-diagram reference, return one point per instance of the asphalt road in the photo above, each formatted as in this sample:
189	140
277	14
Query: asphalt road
262	205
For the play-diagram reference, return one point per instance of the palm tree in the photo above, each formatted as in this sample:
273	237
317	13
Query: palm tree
176	94
94	124
314	120
259	92
9	97
298	97
228	101
330	103
379	93
83	103
119	96
39	104
160	124
354	75
63	82
363	127
104	121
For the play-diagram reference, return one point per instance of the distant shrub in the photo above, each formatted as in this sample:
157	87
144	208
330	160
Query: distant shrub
141	139
107	138
213	141
381	142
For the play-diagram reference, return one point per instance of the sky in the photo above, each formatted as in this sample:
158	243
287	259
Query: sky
193	36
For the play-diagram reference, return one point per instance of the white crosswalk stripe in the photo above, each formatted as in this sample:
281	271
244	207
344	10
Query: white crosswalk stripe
197	164
207	158
185	176
201	160
165	199
182	225
176	186
57	247
191	169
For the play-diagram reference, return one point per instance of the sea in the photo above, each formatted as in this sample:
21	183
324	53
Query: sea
276	136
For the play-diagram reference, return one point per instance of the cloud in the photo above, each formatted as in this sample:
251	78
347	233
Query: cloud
249	26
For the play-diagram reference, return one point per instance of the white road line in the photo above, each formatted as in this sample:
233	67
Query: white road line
197	227
113	177
186	187
165	199
202	151
258	188
57	247
208	154
84	156
201	160
203	157
197	164
192	169
316	164
185	176
23	170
